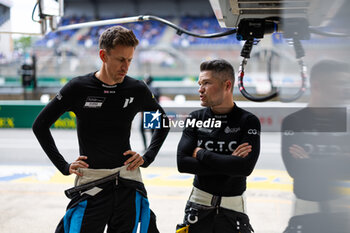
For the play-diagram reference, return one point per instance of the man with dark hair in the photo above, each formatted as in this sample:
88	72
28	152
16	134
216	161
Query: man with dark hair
105	103
329	76
316	151
221	156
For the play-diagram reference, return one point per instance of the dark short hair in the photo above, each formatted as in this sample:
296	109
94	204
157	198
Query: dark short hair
326	69
221	68
117	35
328	73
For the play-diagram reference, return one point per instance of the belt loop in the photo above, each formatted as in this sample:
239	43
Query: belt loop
215	200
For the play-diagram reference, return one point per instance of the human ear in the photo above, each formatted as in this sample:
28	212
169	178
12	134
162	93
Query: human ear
103	56
228	85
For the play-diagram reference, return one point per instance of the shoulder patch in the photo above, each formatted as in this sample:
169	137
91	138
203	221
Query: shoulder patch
59	96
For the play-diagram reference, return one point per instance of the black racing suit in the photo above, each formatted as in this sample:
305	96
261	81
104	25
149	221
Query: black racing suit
316	154
216	170
104	116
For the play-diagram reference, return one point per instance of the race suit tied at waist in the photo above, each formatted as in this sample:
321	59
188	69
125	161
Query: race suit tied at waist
91	178
201	197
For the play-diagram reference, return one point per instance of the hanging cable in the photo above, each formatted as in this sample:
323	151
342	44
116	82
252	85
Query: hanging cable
36	4
270	54
269	70
299	53
245	53
328	34
141	18
181	30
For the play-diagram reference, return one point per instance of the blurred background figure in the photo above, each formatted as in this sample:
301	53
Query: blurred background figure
316	152
148	79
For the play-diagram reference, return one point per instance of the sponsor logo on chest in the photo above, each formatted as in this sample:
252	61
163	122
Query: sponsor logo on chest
108	92
128	101
94	102
231	130
217	146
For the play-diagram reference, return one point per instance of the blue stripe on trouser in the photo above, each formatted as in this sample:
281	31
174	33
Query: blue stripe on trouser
146	215
143	213
73	219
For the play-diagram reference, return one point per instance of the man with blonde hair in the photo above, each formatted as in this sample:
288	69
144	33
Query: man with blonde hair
105	103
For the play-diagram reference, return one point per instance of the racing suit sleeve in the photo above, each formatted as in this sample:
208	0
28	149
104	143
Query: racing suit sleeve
313	159
41	127
233	165
159	135
185	162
